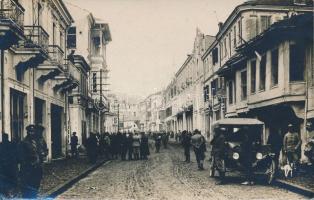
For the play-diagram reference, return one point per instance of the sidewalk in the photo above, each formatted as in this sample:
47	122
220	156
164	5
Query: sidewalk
303	181
59	172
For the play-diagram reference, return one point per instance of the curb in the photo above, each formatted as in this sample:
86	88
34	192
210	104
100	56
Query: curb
53	193
295	188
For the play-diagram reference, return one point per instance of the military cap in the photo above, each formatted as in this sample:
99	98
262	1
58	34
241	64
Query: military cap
31	127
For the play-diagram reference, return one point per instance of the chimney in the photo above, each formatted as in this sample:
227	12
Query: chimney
220	24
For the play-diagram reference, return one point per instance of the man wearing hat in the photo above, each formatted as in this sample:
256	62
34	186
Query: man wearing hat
8	167
198	142
31	168
291	145
218	153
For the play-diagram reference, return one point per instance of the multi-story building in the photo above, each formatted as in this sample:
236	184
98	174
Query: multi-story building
184	105
44	70
258	64
35	75
87	40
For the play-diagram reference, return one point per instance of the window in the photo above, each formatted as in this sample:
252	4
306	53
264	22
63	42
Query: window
94	82
243	85
71	40
265	22
297	62
240	31
262	73
206	93
215	56
230	92
214	87
274	67
234	36
253	76
225	47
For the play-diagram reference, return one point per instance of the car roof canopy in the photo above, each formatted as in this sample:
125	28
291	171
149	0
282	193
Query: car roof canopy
238	122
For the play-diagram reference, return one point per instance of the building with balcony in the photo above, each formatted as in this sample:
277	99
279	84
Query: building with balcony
184	105
260	64
35	77
87	40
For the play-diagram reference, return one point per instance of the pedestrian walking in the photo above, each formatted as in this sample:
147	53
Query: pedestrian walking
218	154
291	146
144	147
198	142
186	143
165	139
136	146
8	167
107	146
157	142
73	144
31	167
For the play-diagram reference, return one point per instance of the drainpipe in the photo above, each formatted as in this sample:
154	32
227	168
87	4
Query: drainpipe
2	92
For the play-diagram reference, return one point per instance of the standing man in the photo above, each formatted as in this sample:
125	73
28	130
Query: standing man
218	154
130	146
291	145
198	142
157	142
136	146
186	143
144	148
31	168
8	167
92	148
74	143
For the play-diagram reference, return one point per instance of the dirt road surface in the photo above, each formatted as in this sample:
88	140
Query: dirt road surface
165	176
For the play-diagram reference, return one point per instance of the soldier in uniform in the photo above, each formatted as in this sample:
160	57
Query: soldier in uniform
31	168
144	148
186	143
8	167
198	142
218	152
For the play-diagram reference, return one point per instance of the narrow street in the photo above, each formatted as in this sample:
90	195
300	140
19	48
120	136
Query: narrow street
165	176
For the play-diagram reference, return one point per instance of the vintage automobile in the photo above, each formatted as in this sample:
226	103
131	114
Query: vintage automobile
238	132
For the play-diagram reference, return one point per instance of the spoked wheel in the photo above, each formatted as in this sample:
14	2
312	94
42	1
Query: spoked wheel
271	172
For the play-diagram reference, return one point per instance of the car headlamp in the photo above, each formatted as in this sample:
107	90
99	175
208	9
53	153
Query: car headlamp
259	156
235	156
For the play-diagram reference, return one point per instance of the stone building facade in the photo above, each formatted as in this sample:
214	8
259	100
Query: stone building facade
41	78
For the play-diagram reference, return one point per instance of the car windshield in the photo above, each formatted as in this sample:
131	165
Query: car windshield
239	134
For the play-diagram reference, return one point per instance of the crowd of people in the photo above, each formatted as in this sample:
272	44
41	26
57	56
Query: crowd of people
124	146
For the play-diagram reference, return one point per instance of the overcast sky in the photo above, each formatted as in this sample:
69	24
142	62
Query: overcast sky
151	38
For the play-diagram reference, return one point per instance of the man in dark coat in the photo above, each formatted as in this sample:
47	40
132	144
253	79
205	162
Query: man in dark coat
198	142
186	143
74	143
124	146
31	168
92	148
157	142
144	148
129	145
42	145
8	167
218	153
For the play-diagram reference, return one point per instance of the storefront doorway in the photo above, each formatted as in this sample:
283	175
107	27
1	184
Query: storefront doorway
56	131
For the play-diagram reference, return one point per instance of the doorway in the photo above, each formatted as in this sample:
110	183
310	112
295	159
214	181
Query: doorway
17	112
56	131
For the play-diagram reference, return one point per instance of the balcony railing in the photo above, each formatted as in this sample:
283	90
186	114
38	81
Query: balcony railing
36	36
56	54
12	11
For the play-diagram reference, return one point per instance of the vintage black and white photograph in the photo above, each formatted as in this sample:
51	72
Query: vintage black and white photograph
157	99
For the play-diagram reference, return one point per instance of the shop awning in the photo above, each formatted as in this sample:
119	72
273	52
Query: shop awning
238	122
